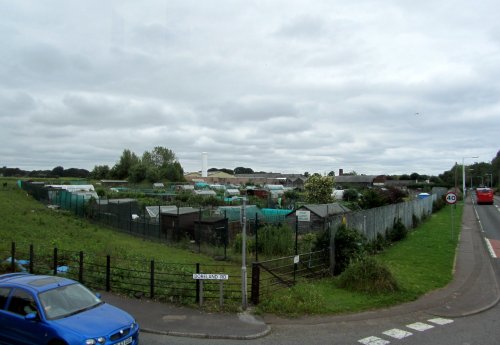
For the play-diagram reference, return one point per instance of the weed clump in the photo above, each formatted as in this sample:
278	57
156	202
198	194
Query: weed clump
349	247
369	276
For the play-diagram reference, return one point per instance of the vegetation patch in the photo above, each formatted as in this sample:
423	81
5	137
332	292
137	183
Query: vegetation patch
368	275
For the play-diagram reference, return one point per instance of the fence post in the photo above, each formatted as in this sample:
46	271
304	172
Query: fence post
197	284
130	217
226	235
199	231
256	237
296	247
108	273
32	257
80	268
152	280
12	256
255	283
55	261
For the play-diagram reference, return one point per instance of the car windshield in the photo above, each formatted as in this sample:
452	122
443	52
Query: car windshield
67	300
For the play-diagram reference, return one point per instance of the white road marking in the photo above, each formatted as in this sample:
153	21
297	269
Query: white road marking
420	326
397	333
373	341
440	321
490	248
401	334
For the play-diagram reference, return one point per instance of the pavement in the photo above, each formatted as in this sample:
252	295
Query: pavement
473	289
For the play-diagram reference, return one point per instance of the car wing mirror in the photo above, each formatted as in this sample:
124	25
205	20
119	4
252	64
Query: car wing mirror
31	316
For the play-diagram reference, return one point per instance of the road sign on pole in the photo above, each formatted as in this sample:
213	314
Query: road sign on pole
451	198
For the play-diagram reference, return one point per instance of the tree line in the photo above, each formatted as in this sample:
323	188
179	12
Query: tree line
162	164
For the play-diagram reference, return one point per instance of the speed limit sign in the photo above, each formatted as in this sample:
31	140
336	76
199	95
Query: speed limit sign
451	198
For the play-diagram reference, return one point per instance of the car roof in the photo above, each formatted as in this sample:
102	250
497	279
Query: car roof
38	283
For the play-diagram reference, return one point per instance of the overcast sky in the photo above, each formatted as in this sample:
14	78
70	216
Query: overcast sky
376	87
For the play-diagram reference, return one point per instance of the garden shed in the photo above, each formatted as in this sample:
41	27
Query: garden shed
319	216
178	223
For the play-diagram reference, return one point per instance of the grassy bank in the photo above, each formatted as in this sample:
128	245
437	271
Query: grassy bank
421	263
24	220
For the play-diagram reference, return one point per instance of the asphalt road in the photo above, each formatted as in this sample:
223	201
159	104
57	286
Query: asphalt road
409	329
480	329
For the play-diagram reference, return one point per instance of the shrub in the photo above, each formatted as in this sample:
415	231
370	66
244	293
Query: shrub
322	241
377	245
307	242
438	204
349	246
398	232
415	220
369	276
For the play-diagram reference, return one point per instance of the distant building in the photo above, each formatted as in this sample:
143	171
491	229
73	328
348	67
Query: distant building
360	181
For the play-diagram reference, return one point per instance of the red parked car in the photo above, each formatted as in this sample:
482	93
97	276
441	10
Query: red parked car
484	196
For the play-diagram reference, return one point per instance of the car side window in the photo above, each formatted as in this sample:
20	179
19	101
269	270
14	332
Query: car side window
4	293
22	303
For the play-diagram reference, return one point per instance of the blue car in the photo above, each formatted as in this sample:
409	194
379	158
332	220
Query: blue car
52	310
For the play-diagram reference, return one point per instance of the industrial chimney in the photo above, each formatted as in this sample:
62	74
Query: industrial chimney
204	164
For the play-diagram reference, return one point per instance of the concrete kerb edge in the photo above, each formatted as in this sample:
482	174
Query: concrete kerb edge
209	336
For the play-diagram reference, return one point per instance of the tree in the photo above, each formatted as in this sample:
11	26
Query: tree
137	173
242	170
495	170
121	169
373	198
350	195
415	176
57	172
161	163
319	189
100	172
395	195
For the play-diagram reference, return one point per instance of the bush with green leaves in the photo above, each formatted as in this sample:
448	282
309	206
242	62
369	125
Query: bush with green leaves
398	232
438	204
377	245
368	275
349	246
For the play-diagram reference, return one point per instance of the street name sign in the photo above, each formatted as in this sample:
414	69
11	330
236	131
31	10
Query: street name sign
210	276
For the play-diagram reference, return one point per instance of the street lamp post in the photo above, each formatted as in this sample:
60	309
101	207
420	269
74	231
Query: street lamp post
243	253
463	174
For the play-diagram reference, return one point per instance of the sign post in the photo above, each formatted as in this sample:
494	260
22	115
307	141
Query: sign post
451	199
217	276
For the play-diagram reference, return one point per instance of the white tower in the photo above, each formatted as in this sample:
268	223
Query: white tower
204	164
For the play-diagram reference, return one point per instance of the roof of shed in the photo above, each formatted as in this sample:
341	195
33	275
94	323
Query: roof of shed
324	210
